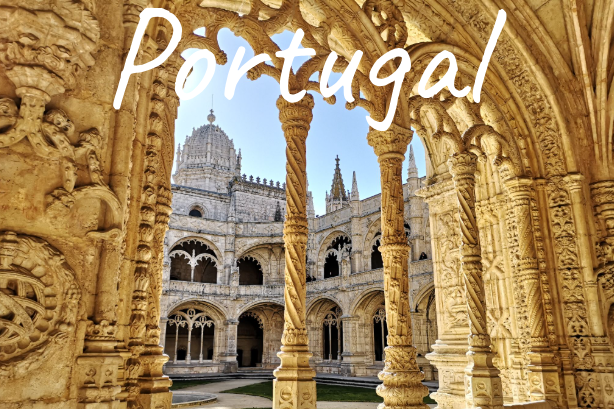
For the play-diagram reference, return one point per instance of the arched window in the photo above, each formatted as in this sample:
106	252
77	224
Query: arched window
195	212
185	323
193	260
376	256
250	340
380	334
333	255
423	256
250	271
333	335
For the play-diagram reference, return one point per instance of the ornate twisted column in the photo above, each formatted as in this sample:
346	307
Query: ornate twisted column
483	385
401	377
294	386
543	373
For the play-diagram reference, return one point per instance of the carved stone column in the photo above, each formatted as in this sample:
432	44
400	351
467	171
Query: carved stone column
543	373
402	387
294	386
483	385
229	358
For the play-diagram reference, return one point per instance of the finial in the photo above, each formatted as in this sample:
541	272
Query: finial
211	117
337	160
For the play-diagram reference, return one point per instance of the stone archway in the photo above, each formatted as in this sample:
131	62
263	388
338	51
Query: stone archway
262	330
194	337
518	237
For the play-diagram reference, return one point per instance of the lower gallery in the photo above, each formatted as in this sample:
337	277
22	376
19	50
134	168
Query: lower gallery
492	275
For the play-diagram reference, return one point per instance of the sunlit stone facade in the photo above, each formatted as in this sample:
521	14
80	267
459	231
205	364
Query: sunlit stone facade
224	264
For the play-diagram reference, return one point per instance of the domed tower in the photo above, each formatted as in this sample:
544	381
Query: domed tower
208	160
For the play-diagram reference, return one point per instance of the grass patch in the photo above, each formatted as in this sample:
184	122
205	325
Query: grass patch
326	393
263	389
186	384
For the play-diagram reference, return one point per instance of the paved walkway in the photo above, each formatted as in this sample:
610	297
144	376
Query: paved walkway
235	401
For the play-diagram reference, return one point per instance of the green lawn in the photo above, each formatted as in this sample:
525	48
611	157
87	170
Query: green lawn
185	384
330	393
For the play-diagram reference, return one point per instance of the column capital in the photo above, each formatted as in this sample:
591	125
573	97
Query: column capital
295	117
519	187
574	181
463	164
392	141
603	192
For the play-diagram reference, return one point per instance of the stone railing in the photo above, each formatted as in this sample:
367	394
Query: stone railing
357	279
420	267
197	225
369	277
198	288
260	229
223	290
275	290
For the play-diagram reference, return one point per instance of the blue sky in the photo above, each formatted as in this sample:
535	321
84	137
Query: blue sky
251	120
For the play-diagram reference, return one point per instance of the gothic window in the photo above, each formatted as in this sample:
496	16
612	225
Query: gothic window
407	231
333	335
190	333
376	256
339	248
380	334
193	260
250	271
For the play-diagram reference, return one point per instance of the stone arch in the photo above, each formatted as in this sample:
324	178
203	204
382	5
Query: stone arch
203	240
250	271
216	310
364	309
261	348
195	330
330	252
193	260
421	294
259	303
325	329
270	256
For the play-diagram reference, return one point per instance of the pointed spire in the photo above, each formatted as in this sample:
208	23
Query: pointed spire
412	169
311	211
354	195
179	152
337	189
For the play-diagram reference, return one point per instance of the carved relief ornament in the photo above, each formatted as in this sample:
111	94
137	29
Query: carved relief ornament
39	300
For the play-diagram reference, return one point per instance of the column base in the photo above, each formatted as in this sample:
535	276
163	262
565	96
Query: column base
484	389
544	378
402	386
155	400
294	386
